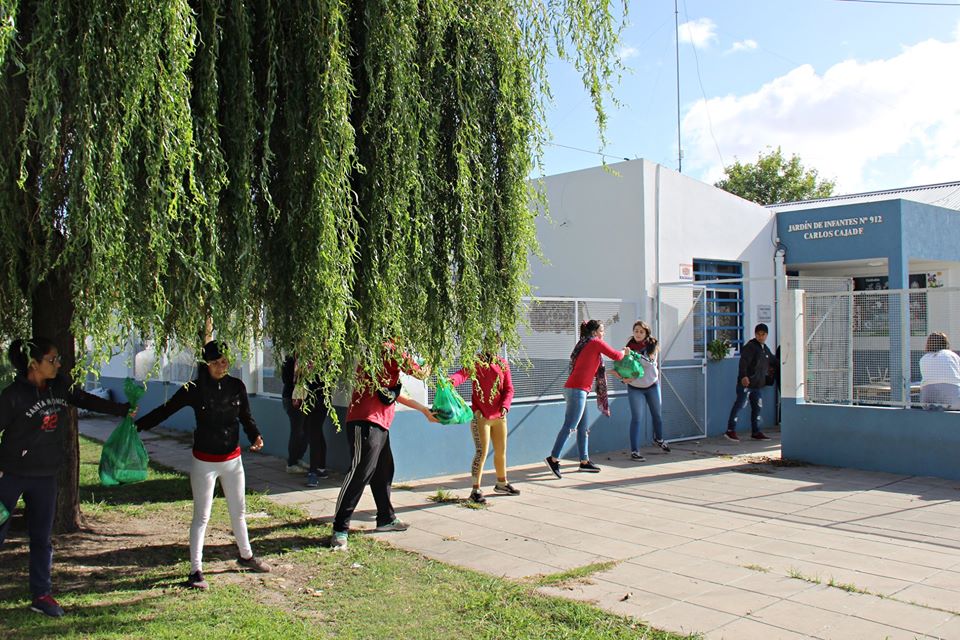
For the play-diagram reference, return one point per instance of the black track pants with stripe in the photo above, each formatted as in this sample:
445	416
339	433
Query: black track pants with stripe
372	463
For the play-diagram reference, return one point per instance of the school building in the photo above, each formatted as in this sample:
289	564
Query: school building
635	240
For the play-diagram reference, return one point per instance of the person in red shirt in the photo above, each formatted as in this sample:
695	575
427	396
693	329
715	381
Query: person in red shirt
586	365
491	398
369	417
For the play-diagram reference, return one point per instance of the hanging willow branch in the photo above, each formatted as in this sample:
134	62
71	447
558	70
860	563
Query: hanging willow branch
344	172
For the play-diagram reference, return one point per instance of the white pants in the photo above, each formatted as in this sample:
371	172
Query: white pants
203	478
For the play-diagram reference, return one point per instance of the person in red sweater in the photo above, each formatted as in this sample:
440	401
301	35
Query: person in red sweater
491	398
586	365
369	417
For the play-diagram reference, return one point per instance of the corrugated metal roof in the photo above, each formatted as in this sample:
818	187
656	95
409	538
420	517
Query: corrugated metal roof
946	194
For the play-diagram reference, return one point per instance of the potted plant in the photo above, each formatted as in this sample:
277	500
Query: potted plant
718	348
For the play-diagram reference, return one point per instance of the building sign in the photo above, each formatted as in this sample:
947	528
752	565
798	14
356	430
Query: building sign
764	313
834	229
686	272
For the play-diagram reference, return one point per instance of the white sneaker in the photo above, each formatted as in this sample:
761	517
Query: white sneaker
297	469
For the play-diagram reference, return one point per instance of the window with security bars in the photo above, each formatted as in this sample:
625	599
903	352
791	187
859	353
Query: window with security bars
723	316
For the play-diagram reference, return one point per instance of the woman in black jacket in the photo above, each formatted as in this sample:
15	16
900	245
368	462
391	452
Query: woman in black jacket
220	404
33	416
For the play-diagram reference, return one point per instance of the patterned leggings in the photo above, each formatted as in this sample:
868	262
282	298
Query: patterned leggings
482	429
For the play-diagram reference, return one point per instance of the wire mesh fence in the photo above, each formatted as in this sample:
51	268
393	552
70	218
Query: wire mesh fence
872	347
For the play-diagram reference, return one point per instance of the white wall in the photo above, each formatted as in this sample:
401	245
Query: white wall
601	240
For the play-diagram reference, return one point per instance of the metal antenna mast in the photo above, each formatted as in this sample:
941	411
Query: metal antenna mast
676	25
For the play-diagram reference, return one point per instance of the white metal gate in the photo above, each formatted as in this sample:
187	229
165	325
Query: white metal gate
681	321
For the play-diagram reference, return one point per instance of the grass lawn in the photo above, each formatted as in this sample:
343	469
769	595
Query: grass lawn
121	578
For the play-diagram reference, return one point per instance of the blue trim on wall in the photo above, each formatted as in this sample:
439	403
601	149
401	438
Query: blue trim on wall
421	449
905	441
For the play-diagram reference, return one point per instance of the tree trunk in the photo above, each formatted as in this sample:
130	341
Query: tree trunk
52	315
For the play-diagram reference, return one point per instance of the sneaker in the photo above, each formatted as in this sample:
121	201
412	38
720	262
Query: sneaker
477	496
313	480
759	435
338	541
634	455
322	474
47	606
589	466
254	564
395	525
296	469
507	488
554	466
732	436
195	581
663	445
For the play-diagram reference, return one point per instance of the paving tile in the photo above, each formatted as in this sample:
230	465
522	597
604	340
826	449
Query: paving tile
913	618
746	629
729	599
684	617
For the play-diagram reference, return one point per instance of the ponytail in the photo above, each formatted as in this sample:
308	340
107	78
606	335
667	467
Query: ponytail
587	327
21	354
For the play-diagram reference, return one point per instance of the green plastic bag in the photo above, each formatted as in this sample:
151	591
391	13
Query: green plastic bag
123	459
631	366
449	406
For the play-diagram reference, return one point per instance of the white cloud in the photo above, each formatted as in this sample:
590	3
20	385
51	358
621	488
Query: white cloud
871	125
743	45
700	32
627	52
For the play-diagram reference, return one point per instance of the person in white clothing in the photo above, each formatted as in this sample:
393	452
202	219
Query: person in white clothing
940	373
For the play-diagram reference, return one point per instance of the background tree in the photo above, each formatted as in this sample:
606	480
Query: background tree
774	179
327	173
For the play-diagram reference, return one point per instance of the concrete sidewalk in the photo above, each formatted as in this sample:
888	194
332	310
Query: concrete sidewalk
715	537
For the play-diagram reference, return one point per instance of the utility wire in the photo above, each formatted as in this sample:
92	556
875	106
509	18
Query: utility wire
596	153
905	2
706	104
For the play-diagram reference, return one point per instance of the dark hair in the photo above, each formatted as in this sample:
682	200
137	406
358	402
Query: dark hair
21	353
652	343
937	341
589	326
214	350
761	328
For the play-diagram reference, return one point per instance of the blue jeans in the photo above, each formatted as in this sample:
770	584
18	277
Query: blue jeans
575	419
638	397
756	403
40	499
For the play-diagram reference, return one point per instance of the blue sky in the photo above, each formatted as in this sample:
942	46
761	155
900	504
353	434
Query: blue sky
865	93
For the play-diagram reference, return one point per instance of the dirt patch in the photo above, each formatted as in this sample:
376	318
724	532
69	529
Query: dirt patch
775	462
116	552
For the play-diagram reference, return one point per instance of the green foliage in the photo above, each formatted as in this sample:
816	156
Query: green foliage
718	348
774	179
329	174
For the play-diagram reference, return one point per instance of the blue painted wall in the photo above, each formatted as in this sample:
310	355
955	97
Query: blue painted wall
421	449
930	233
878	239
906	441
722	391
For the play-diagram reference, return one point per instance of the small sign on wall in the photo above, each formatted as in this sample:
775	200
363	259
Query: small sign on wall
686	272
764	313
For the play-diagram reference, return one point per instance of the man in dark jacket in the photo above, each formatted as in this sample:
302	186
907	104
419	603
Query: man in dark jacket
756	367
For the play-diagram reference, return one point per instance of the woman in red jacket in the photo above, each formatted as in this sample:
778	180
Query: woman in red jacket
586	365
491	398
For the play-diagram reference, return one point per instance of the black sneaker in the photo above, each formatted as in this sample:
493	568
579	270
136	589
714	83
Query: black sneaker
554	466
663	445
506	488
254	564
759	435
634	455
322	474
195	581
477	496
589	467
47	606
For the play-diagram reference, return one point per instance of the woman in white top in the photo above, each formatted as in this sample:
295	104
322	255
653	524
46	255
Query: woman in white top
940	371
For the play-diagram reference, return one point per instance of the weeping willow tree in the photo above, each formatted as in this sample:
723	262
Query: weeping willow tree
328	173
